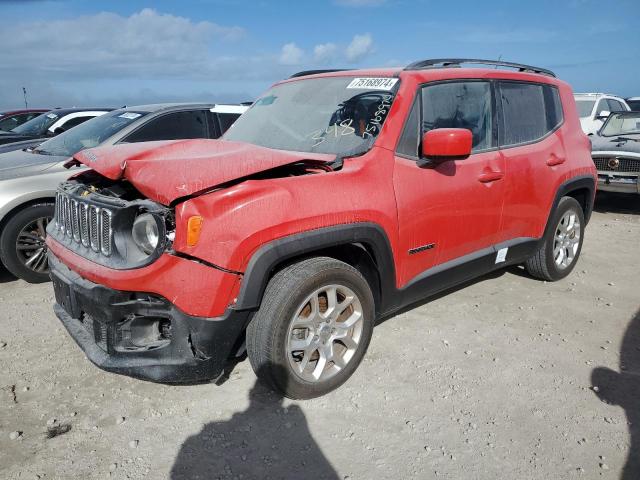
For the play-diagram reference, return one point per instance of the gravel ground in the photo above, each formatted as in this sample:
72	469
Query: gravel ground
506	378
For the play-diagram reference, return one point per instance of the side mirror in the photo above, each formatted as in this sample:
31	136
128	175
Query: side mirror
57	131
444	144
603	115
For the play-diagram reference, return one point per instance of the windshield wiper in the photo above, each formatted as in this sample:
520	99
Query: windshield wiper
624	139
41	152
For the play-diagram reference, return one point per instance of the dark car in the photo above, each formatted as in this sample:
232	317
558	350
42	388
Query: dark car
616	153
29	177
14	118
46	126
634	103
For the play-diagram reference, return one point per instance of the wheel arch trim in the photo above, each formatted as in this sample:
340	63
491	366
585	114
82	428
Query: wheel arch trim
276	253
582	182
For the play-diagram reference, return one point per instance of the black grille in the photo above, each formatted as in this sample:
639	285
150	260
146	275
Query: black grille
624	165
86	224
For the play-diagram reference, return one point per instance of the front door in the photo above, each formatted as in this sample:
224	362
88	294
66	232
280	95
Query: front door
452	210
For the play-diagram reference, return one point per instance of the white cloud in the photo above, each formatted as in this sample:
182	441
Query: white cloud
324	52
291	54
360	47
107	44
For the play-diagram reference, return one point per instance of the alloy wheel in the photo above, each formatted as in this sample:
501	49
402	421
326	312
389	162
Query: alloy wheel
566	240
325	333
31	248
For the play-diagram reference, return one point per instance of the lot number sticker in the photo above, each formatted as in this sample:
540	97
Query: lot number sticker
373	83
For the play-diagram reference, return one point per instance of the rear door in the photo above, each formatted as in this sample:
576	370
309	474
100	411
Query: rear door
451	210
530	115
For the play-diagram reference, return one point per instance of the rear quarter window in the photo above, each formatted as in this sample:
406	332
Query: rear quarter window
528	112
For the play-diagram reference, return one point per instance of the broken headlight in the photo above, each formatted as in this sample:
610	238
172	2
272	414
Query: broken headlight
145	233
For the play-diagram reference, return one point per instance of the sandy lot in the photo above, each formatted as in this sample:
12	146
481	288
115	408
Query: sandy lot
505	378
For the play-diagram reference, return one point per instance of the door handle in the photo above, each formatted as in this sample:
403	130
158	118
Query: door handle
554	160
490	176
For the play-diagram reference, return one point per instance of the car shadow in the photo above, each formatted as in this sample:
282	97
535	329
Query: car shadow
610	202
266	440
5	276
623	389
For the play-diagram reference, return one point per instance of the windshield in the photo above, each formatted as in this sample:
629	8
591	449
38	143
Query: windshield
88	134
585	107
337	115
621	124
37	126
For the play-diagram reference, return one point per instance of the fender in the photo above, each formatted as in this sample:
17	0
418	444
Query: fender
576	183
270	255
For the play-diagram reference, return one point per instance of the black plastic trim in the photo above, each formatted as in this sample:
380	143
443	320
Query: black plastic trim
306	73
199	347
456	62
576	183
461	269
273	254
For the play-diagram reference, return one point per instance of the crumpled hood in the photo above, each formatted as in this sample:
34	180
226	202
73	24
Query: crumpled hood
167	170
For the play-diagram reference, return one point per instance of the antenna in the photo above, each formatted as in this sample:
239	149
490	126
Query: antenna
24	94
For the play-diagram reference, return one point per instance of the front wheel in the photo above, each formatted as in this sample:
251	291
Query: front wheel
562	243
312	329
22	244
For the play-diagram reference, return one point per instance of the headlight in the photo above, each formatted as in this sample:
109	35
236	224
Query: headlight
145	233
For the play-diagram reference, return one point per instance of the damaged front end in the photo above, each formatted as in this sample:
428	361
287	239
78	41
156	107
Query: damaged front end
123	294
107	223
143	335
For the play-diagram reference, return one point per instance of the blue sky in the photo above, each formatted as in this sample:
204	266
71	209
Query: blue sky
115	53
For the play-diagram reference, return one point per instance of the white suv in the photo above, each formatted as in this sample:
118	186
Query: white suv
594	108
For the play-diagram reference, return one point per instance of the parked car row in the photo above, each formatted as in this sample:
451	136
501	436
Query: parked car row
31	172
46	125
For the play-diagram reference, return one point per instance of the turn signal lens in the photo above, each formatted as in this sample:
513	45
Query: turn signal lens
194	225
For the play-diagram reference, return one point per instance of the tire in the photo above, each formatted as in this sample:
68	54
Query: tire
291	295
548	263
28	225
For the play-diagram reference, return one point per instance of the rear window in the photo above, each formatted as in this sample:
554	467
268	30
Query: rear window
528	112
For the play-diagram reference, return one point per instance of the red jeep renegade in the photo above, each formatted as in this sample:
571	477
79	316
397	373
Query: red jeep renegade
339	198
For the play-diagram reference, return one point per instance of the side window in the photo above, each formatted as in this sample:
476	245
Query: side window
553	107
173	126
410	139
524	116
603	105
615	106
74	122
8	123
226	120
460	105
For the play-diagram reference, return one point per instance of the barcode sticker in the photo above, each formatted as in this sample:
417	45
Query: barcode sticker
373	83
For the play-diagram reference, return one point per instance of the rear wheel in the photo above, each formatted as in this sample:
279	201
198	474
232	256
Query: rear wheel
312	329
22	244
561	246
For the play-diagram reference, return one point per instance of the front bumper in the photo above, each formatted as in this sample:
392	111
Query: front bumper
143	335
618	182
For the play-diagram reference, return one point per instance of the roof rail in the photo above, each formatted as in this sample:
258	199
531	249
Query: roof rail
456	62
304	73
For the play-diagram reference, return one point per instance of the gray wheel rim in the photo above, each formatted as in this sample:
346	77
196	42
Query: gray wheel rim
31	248
566	240
325	333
